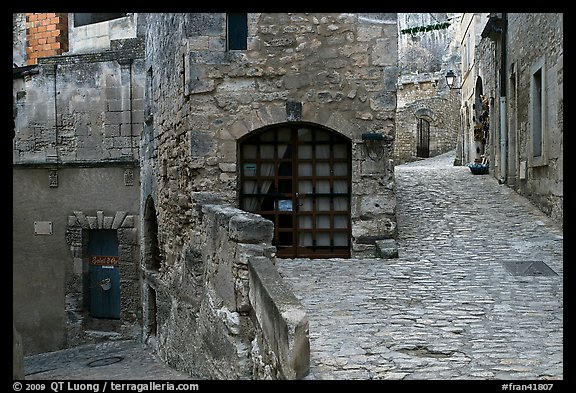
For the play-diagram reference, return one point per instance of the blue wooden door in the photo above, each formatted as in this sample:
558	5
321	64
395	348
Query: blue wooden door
104	274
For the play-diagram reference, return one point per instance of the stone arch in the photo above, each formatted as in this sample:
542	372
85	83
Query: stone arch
274	114
78	290
425	113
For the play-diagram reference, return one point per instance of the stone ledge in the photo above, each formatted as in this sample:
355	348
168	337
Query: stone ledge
281	317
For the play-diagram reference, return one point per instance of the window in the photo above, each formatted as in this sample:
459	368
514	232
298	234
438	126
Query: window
82	19
538	114
237	31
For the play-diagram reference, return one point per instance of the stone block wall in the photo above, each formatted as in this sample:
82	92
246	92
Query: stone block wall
228	314
536	40
203	310
81	109
429	99
533	41
202	99
281	348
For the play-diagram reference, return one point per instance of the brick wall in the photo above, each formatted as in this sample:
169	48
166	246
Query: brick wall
46	35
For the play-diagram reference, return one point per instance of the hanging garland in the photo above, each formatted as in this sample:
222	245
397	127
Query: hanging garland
423	29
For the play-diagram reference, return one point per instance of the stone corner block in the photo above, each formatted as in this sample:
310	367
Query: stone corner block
251	228
386	248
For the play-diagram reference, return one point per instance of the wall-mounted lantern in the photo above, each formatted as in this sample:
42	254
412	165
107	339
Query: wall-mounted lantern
451	79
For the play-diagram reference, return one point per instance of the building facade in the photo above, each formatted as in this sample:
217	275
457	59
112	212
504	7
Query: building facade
512	102
287	116
139	137
78	93
427	118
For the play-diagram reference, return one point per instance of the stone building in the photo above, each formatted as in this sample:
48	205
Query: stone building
289	116
512	102
78	94
427	118
144	144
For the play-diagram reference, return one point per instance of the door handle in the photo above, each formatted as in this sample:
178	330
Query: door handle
105	284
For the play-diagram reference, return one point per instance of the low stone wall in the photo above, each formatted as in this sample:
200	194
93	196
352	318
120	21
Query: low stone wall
281	322
241	321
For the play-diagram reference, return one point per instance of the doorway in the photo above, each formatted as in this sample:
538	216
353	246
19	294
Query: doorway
104	274
423	146
299	177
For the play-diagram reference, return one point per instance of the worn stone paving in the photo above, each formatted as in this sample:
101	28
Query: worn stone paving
112	360
447	308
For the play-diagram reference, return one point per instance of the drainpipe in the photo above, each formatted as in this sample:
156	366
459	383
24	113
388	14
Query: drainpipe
56	130
503	142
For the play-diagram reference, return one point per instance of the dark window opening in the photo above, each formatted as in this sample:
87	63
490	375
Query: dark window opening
152	255
83	19
237	31
537	114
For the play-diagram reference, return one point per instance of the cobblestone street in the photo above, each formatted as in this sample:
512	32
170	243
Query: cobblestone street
449	307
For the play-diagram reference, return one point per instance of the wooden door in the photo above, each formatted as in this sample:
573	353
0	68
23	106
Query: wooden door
298	176
104	274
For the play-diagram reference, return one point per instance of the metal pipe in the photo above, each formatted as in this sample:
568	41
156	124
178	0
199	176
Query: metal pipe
503	142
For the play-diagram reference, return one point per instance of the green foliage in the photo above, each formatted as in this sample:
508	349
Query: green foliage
423	29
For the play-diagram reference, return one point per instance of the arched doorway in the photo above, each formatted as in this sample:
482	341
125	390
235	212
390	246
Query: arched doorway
298	176
479	126
423	138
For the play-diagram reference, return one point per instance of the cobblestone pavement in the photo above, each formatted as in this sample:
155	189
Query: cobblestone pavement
114	360
447	308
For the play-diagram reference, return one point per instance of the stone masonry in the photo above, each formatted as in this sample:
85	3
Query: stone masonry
202	99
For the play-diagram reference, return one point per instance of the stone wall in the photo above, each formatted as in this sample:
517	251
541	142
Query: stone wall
228	314
428	99
202	99
18	39
341	68
81	109
536	40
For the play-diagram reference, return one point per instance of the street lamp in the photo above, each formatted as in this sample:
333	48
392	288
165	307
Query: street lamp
450	79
